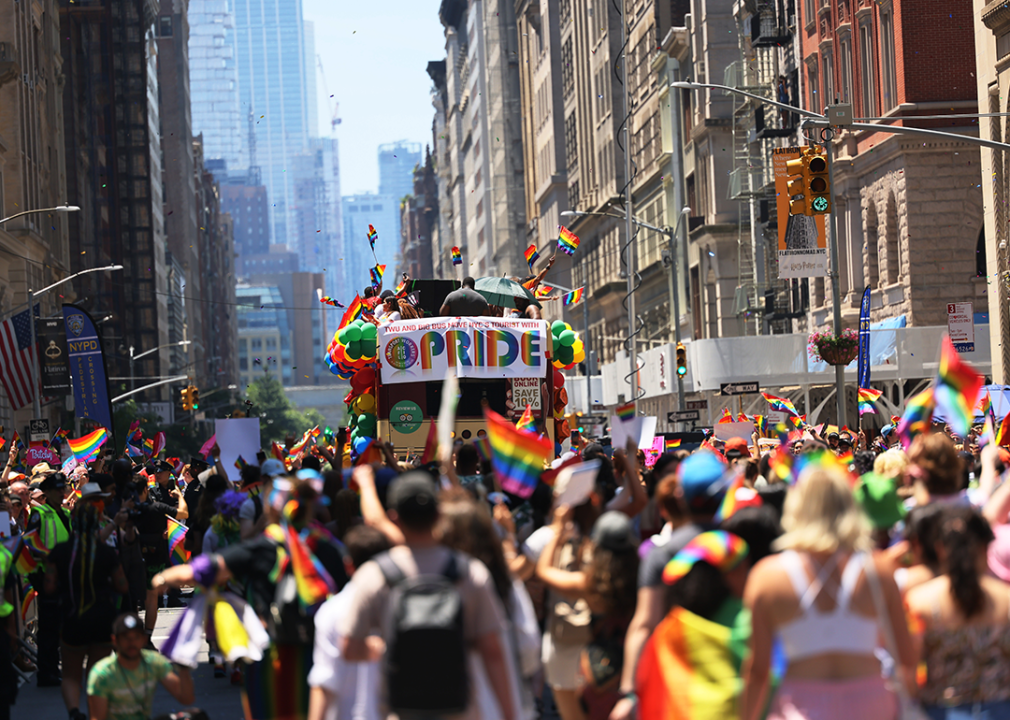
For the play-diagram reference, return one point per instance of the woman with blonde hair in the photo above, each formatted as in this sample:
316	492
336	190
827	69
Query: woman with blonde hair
816	595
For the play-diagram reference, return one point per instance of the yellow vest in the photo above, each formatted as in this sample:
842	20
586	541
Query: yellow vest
53	531
5	565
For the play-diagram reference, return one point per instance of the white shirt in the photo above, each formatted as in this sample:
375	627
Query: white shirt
356	685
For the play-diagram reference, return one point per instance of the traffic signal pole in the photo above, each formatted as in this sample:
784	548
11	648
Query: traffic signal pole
836	294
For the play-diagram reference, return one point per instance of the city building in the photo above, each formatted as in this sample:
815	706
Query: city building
31	169
274	56
264	335
113	155
442	236
483	153
277	258
418	219
248	207
396	168
213	82
357	213
316	236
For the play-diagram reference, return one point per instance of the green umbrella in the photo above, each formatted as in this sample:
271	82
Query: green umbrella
504	292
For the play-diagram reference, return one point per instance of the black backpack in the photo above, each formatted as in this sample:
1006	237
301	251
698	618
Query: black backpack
426	651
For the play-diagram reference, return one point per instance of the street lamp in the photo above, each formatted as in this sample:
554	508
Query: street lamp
133	357
58	208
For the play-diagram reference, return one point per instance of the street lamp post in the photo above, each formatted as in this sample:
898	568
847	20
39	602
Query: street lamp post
674	237
133	357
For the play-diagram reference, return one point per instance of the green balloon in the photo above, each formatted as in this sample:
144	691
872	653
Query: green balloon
368	346
556	345
353	333
567	355
370	332
568	338
364	420
342	336
558	327
353	351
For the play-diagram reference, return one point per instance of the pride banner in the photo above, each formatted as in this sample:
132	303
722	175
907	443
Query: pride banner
477	347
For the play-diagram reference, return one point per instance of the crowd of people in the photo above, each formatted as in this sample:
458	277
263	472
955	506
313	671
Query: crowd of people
813	576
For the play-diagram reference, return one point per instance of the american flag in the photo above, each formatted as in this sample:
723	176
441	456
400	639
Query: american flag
16	356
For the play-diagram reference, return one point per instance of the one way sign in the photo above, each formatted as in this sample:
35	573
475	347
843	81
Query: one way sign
739	388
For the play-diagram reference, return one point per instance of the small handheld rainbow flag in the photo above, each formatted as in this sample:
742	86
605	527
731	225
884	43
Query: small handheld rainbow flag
240	463
376	274
159	444
780	404
868	396
1003	432
149	447
672	444
917	416
956	389
30	595
526	423
331	301
531	256
988	435
457	256
372	236
483	445
984	404
626	412
518	457
86	448
726	417
178	554
568	242
573	297
542	291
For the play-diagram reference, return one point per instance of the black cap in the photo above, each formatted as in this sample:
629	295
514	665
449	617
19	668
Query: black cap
832	435
56	481
414	496
197	465
158	466
126	623
386	294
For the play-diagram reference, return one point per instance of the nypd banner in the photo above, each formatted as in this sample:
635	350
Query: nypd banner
87	368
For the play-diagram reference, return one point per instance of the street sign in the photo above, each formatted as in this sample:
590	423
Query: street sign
38	430
961	326
696	404
739	388
683	416
591	420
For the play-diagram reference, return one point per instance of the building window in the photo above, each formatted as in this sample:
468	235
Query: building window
165	26
567	71
256	344
1002	46
571	139
809	13
887	62
868	70
813	84
829	82
565	11
846	70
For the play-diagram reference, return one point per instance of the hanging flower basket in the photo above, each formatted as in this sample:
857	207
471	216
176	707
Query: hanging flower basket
834	349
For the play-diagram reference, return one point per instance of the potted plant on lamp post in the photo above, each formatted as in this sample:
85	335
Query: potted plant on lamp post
834	349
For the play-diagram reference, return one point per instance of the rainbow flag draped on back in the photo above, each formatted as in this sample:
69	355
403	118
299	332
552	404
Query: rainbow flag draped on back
518	457
86	448
526	422
866	397
177	553
956	390
690	667
531	256
568	242
780	404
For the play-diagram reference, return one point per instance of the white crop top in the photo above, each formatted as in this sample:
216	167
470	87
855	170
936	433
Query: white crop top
836	631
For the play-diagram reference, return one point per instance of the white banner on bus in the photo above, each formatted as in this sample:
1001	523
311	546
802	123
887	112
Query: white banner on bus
477	347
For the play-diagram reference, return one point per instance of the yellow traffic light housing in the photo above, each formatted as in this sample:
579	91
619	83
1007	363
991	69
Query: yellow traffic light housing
194	397
796	185
681	360
187	403
808	184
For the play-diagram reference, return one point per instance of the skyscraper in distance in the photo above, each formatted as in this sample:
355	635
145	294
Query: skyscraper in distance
358	212
396	168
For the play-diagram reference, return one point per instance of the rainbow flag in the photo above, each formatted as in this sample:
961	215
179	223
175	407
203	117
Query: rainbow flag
353	312
30	595
531	256
240	463
159	444
800	421
17	441
984	404
542	291
59	436
376	274
483	445
178	554
327	300
726	417
988	434
847	458
457	256
34	542
742	417
430	453
672	444
573	297
518	457
526	422
956	389
1003	432
86	448
372	236
626	412
568	242
278	452
738	496
866	397
313	582
149	447
720	549
690	666
24	563
761	423
780	404
917	417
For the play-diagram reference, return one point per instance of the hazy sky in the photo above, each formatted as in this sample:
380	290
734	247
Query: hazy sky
374	54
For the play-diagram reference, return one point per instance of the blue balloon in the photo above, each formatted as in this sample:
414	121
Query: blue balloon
360	444
557	449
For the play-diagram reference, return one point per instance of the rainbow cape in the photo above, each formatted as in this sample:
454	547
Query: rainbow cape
866	397
457	256
86	448
526	422
956	389
780	404
518	457
573	297
178	554
568	242
531	256
626	412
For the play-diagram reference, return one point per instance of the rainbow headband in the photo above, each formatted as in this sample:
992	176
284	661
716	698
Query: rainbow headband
720	549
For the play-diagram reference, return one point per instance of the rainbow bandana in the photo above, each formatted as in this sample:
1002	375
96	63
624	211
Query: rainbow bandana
720	549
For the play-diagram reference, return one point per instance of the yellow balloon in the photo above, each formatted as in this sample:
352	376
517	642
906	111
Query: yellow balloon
567	326
366	404
579	356
578	346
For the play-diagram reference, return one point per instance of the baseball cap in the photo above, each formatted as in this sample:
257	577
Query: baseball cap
832	435
886	430
273	468
127	622
701	477
613	531
878	495
53	481
738	447
414	496
197	465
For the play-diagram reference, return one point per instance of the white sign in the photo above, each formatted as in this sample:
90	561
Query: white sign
727	431
476	347
526	391
237	436
961	326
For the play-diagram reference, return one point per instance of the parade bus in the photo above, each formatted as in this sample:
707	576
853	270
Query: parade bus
502	364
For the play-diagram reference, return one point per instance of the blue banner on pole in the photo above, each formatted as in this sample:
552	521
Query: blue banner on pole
87	368
863	365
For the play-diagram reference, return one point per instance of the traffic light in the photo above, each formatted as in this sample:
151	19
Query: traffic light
808	186
681	360
194	397
187	402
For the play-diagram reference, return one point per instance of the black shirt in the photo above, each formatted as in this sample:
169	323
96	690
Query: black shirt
151	526
96	591
162	495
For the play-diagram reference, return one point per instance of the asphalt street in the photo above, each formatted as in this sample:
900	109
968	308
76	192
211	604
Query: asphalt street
218	697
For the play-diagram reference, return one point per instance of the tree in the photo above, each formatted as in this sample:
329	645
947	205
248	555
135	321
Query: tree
278	415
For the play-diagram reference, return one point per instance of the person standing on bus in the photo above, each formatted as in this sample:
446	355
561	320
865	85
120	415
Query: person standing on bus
465	302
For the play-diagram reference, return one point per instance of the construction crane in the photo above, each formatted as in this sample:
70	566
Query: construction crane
334	106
